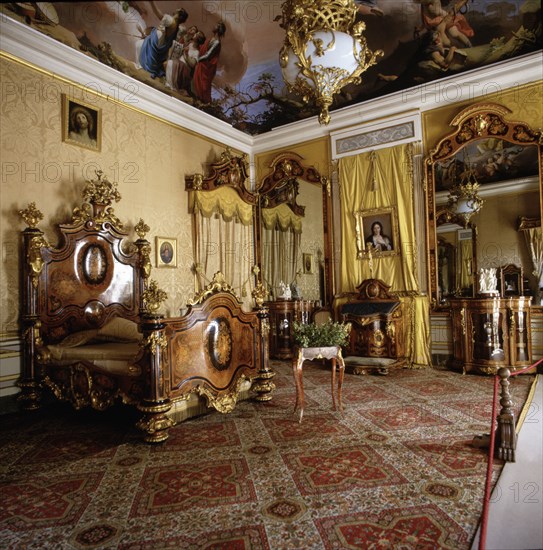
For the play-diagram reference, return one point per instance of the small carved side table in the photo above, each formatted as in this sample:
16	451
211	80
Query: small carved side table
308	354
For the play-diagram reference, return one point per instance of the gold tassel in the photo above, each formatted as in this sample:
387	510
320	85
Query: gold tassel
372	170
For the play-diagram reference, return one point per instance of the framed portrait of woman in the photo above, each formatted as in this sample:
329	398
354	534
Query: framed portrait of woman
377	231
166	252
81	124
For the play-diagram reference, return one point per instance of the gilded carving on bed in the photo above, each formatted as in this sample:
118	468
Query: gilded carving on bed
92	334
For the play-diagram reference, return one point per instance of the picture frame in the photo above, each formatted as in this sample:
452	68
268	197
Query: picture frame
511	281
382	242
166	252
81	124
307	260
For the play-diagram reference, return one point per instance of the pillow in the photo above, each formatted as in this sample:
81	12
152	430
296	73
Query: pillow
119	330
78	338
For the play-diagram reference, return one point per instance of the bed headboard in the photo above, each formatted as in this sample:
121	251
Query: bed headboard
94	275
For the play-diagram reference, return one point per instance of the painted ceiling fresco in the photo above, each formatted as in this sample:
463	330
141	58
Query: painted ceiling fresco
222	56
489	160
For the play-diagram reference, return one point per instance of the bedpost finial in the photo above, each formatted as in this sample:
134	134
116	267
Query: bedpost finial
31	215
260	293
141	228
153	296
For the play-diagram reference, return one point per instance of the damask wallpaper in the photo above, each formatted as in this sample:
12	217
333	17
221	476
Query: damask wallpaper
146	157
312	241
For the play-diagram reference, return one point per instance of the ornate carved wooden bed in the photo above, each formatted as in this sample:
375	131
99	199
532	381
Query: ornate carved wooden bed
92	334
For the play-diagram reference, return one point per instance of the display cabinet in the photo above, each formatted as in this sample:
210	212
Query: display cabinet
489	333
282	314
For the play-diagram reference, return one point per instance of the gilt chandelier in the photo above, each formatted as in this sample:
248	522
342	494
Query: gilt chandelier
464	201
324	50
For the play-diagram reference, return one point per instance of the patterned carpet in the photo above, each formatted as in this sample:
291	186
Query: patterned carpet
395	471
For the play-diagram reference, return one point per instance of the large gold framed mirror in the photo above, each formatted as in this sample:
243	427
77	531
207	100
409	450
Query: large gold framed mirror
501	161
293	238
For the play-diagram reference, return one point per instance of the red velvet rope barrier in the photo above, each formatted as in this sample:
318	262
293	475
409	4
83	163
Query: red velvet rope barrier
490	462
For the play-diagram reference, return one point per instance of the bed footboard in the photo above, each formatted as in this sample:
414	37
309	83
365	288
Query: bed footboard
210	352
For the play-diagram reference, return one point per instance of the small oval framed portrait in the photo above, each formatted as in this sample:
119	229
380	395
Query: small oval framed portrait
166	252
308	263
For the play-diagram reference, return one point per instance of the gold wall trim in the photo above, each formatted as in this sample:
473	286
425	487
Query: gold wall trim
8	354
10	335
9	378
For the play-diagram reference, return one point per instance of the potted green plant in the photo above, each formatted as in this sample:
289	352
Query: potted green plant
330	334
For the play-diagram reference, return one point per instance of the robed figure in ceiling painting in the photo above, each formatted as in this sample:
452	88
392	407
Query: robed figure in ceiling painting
205	69
153	50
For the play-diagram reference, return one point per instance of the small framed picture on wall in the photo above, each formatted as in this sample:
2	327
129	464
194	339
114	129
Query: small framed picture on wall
81	124
511	280
166	252
308	263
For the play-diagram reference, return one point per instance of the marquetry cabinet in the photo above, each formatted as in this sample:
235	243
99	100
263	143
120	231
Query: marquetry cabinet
489	333
378	335
282	314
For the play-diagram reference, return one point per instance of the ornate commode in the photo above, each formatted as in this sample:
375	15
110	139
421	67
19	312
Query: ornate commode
489	333
377	340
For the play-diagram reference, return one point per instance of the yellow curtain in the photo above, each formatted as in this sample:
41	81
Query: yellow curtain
281	217
281	238
534	239
380	180
417	310
223	240
374	180
224	201
465	252
280	256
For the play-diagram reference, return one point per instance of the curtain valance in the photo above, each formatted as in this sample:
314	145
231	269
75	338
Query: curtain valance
281	217
224	201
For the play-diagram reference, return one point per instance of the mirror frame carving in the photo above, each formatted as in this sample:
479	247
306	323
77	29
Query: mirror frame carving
230	170
479	121
280	186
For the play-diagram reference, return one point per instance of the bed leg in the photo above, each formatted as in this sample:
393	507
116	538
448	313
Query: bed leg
30	396
156	403
263	385
155	423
